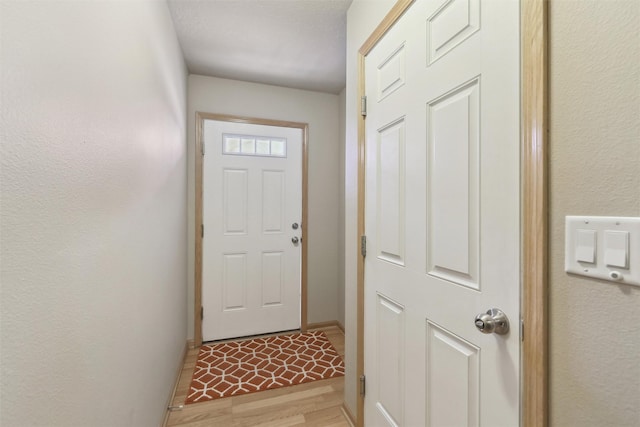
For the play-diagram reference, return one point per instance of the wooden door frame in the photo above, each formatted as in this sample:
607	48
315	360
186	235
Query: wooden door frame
304	127
534	207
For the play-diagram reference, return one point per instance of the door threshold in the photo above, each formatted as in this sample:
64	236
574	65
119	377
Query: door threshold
251	337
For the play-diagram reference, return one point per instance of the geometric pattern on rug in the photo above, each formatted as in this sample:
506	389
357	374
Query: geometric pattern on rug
241	367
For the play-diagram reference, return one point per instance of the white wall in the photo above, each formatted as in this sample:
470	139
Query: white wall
594	76
341	247
321	111
93	212
362	18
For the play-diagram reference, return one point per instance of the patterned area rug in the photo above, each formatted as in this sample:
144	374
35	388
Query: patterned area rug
235	368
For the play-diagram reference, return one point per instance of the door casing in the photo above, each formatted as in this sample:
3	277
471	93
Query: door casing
304	127
534	207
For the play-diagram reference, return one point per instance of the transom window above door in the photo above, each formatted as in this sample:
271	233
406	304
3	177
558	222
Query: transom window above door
248	145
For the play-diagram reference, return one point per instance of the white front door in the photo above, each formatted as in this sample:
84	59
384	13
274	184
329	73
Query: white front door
252	209
442	216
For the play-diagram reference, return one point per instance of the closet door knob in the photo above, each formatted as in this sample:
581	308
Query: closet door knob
493	321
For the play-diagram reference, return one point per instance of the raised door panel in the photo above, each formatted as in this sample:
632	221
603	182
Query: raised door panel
273	201
235	202
272	278
390	325
450	25
391	73
453	379
234	281
453	183
391	193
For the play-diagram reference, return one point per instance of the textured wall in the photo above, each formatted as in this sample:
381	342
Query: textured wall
320	110
362	18
595	170
93	212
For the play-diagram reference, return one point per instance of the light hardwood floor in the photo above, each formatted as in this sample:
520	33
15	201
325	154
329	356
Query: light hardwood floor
318	403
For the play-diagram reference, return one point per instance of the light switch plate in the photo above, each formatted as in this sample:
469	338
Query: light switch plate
615	252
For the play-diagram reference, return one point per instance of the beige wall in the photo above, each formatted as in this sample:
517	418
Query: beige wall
93	213
321	111
595	170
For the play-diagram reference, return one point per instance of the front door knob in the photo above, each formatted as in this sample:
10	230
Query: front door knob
294	240
493	321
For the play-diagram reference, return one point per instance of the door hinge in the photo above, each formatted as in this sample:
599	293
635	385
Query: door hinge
202	148
521	330
201	312
363	385
363	106
363	246
201	230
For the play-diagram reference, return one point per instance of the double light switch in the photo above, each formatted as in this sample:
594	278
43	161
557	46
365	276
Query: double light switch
604	248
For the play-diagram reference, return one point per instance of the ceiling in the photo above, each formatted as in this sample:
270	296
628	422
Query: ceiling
292	43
